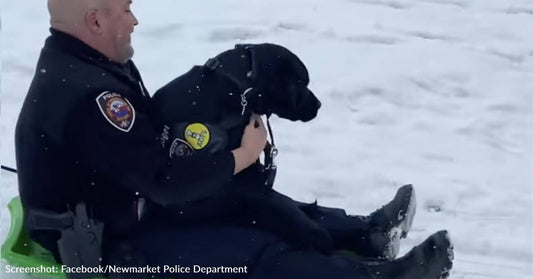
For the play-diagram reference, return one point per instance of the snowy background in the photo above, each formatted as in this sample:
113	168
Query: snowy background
437	93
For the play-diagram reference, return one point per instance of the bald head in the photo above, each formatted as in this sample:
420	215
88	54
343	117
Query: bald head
105	25
69	15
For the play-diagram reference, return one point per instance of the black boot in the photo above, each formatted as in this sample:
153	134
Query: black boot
432	259
392	222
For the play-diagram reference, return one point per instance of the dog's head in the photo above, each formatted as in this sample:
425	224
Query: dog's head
262	79
277	77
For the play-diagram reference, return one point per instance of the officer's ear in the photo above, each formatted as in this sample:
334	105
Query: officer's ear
92	21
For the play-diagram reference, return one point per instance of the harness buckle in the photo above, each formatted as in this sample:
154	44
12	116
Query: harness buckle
244	101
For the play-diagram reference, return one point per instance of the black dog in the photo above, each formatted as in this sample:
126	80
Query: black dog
207	109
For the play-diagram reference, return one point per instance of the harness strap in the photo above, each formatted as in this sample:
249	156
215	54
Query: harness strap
247	84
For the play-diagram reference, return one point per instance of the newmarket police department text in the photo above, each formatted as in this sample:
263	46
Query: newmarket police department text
106	269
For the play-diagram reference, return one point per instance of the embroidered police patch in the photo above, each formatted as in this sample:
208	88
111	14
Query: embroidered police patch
197	135
117	110
180	148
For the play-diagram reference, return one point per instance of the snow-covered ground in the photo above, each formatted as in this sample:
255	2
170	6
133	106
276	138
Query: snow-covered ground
437	93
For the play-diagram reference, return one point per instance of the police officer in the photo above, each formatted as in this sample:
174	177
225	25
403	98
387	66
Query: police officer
88	134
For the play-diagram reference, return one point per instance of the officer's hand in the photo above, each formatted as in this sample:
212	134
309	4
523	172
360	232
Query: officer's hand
252	144
254	137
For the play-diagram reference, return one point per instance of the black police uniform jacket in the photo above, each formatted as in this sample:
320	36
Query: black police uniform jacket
86	133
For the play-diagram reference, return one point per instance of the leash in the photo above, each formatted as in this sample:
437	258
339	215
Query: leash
9	169
271	152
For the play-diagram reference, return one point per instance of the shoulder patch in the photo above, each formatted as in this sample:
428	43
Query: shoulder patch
197	135
117	110
180	148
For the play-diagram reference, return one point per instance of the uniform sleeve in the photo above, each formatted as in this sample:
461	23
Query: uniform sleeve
124	147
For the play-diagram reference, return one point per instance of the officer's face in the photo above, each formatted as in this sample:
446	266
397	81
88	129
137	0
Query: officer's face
119	23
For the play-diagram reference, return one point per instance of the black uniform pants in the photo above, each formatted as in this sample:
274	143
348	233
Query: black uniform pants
174	248
250	253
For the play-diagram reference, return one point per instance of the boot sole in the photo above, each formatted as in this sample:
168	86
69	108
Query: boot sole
445	272
432	259
438	265
405	218
409	213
